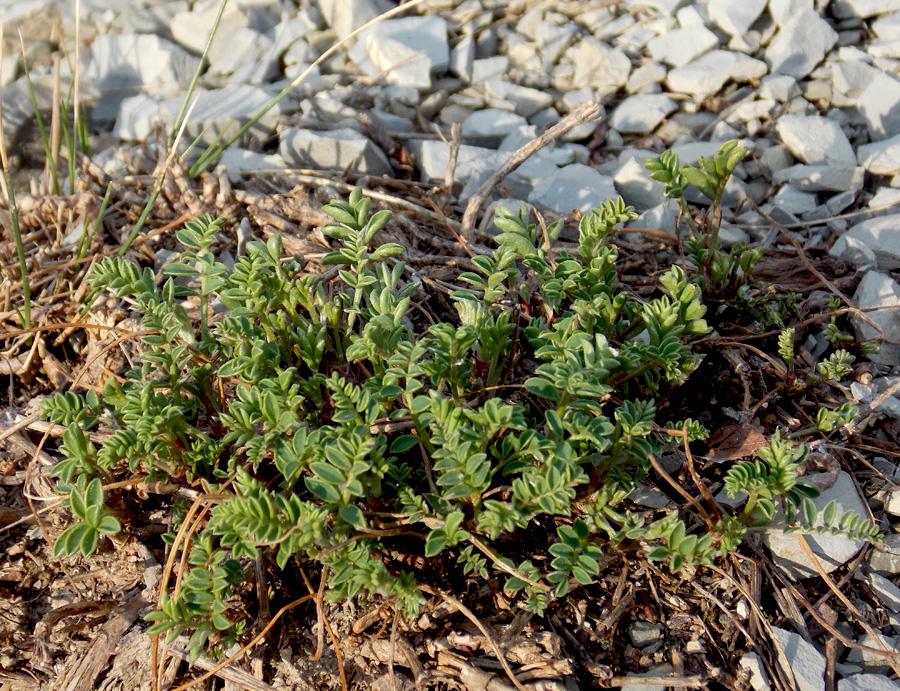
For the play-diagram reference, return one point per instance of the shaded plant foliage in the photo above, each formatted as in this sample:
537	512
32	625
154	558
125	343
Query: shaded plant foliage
343	431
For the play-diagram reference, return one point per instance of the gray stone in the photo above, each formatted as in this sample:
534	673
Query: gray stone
136	117
418	35
880	106
759	680
867	682
641	113
662	217
822	178
462	57
864	8
120	62
333	150
648	74
637	188
831	550
870	661
793	201
887	27
884	590
487	69
783	11
574	187
885	557
192	28
399	64
878	290
801	44
852	250
225	110
346	16
775	158
736	16
852	77
598	65
706	75
807	664
680	46
881	158
815	140
490	125
644	634
238	160
523	100
880	234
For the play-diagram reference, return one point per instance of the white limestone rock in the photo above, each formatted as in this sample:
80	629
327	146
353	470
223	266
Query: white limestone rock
463	56
880	235
881	158
851	77
887	27
425	35
822	178
662	217
225	110
736	16
806	663
793	201
801	44
122	61
885	557
346	16
782	11
633	182
706	75
332	150
815	140
867	682
878	290
238	160
884	590
490	125
522	100
574	187
870	661
136	117
641	113
678	47
831	550
486	69
880	106
863	8
598	65
647	75
759	679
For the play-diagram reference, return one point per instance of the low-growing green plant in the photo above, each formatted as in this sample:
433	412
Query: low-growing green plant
345	430
721	274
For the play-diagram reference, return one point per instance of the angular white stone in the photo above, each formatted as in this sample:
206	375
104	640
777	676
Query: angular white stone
870	661
830	550
783	11
801	44
427	35
851	77
867	682
880	106
487	69
864	8
346	16
662	217
882	236
136	117
815	140
599	66
646	75
333	150
678	47
780	87
807	663
879	290
238	160
885	591
121	61
462	57
736	16
793	201
224	110
400	64
708	74
886	556
759	680
574	187
492	124
525	100
637	188
822	178
887	27
641	113
881	158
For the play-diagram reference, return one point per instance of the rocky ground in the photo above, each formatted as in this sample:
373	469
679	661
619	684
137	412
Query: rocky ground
437	99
